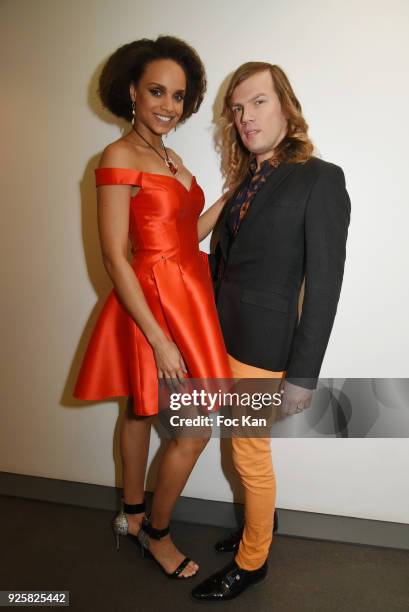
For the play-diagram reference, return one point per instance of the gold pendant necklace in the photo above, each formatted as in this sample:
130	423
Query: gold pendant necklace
168	161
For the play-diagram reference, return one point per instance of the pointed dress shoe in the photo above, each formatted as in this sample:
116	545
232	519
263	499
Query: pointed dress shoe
228	583
232	542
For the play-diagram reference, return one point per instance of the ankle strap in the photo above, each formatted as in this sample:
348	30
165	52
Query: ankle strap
156	534
133	508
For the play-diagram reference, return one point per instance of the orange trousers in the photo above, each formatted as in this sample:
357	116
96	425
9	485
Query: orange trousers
253	462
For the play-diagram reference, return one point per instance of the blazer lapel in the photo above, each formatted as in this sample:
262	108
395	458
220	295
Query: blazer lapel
224	232
262	198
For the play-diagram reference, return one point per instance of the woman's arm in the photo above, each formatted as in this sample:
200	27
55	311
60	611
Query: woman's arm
208	219
113	225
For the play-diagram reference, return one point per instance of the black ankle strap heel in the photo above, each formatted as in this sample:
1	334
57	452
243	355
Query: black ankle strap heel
156	534
146	532
133	508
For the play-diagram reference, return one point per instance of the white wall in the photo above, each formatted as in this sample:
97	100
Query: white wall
348	63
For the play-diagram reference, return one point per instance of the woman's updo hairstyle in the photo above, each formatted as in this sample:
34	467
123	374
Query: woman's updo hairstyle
128	63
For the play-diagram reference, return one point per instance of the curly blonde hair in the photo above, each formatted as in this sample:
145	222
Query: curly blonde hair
296	146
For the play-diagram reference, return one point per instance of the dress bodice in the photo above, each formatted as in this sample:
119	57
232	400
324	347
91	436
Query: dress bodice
163	214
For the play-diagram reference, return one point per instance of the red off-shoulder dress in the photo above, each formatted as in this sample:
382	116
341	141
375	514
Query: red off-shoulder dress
175	279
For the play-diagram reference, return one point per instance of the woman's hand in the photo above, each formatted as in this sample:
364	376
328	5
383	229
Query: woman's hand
169	361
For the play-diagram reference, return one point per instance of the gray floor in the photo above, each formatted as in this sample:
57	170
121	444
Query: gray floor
51	546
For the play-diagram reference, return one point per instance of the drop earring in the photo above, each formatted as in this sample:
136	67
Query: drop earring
133	112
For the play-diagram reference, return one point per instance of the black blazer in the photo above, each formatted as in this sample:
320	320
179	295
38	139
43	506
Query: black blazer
295	227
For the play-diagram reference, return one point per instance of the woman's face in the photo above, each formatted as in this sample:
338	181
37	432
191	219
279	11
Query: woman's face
159	96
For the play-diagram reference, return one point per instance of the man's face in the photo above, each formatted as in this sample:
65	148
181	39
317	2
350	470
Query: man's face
258	116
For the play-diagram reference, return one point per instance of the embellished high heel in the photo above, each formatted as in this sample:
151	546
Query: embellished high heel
120	523
146	532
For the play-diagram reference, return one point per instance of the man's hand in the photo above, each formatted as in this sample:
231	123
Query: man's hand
294	399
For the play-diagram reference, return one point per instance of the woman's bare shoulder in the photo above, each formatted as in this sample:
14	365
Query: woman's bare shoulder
118	154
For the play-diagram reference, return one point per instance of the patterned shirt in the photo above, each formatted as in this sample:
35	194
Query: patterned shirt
245	196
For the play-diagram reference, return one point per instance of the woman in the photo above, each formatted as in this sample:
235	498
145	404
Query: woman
160	320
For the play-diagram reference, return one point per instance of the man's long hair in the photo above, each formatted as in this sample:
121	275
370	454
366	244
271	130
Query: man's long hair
295	146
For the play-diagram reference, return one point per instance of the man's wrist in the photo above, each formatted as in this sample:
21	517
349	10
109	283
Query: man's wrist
306	383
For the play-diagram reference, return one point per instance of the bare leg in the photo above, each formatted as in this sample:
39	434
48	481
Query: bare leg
177	463
134	440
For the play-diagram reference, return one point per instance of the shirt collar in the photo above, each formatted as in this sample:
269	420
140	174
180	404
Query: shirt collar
265	165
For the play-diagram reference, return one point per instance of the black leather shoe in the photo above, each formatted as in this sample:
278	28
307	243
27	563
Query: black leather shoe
232	542
228	583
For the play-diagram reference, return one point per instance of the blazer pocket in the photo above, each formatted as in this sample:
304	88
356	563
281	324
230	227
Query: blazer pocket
272	301
287	202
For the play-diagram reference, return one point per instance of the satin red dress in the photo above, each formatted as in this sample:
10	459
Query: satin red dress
175	279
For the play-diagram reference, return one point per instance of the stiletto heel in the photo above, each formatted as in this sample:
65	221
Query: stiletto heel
146	532
120	523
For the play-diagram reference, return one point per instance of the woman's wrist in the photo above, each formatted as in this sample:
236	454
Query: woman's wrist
157	339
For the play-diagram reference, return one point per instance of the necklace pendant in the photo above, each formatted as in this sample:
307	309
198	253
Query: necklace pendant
172	166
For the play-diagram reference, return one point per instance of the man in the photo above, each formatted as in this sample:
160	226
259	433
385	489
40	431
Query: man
286	221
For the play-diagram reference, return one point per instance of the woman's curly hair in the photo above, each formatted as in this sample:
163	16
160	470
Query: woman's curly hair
296	146
128	63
